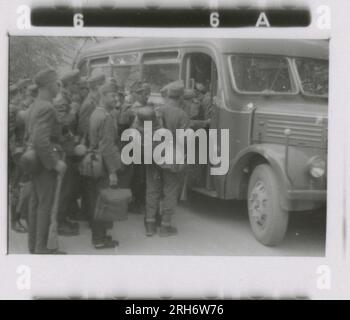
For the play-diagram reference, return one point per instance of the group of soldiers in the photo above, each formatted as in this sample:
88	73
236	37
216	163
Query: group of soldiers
57	117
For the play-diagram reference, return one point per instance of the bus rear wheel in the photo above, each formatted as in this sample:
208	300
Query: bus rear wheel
267	218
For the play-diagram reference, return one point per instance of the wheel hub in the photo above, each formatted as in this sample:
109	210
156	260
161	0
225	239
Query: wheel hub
257	204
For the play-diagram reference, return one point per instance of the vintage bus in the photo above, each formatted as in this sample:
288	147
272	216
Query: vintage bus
272	95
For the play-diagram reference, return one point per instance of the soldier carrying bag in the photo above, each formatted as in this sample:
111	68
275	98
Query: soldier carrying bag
112	204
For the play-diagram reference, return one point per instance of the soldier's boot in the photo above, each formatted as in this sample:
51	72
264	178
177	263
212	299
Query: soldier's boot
106	243
151	228
167	231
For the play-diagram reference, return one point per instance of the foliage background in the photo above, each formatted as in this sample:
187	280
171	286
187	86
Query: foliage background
28	55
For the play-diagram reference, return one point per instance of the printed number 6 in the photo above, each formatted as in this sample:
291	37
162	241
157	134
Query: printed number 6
214	19
78	20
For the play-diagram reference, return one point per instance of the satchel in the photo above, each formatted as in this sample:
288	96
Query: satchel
92	165
112	204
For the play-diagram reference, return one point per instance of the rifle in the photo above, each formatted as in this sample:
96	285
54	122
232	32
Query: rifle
52	241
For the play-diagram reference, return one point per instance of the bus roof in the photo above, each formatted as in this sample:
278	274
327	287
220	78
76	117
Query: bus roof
303	48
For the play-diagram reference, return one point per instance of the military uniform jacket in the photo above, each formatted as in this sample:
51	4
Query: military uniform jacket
85	111
173	116
44	131
103	136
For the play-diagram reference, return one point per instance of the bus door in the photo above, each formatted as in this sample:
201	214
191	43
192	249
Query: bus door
199	72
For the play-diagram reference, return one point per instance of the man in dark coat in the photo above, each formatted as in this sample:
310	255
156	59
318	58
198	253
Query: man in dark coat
44	134
14	169
134	175
163	182
103	136
89	105
67	115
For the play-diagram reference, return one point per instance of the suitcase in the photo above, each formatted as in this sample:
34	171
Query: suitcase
112	204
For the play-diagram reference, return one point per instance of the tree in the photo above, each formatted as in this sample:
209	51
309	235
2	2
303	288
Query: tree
28	55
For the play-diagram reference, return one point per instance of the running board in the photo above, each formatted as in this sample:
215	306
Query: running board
209	193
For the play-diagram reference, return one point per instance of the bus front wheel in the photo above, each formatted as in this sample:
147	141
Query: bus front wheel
267	218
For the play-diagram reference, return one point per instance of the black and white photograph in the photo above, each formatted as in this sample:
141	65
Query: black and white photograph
92	169
188	151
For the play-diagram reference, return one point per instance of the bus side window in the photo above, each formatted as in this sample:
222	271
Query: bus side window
160	68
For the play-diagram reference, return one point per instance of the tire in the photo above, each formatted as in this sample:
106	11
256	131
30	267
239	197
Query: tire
268	219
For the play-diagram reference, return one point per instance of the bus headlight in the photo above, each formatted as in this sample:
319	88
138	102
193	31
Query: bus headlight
317	167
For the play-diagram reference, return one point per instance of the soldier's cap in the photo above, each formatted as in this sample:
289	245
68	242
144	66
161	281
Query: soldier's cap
108	87
175	89
70	76
96	80
23	83
13	89
189	94
200	87
45	76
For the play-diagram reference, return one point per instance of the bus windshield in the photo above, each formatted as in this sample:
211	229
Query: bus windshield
261	74
313	75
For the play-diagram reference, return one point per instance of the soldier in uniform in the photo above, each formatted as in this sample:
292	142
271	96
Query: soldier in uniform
134	176
67	110
89	105
205	100
22	85
103	136
83	89
14	168
164	182
43	136
139	94
192	107
31	93
67	104
15	98
121	97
